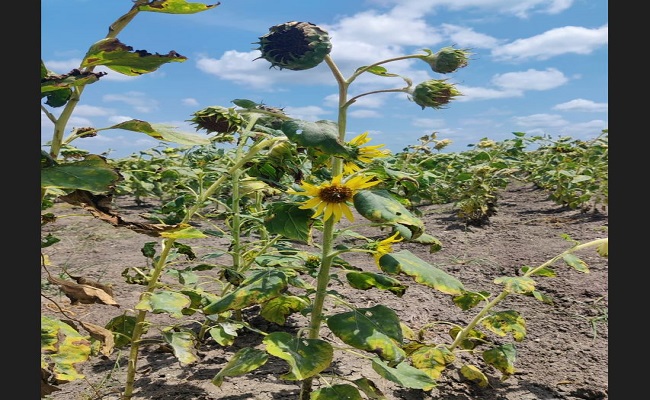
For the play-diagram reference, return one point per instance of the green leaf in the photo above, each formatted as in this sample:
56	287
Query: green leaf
121	58
502	358
122	327
244	361
404	375
183	345
165	301
475	375
381	207
62	347
93	174
377	70
369	388
183	232
257	289
288	220
408	263
277	309
322	135
336	392
573	261
225	332
469	300
518	284
306	357
506	321
432	360
175	7
162	132
367	280
376	329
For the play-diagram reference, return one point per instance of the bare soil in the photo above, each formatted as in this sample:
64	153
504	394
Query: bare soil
563	356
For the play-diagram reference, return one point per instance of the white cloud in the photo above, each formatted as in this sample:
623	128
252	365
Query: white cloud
308	113
581	105
540	120
531	79
555	42
518	8
190	102
118	119
139	101
468	38
479	93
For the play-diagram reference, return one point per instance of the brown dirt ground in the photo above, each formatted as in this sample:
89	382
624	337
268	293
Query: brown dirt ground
563	356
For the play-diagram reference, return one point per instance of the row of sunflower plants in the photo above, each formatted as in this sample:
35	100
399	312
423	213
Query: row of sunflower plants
285	182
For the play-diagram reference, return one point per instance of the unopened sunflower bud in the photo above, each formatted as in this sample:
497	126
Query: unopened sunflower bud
217	119
295	45
434	93
447	59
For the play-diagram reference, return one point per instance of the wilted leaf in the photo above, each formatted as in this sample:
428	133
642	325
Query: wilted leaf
502	358
244	361
503	322
404	375
408	263
183	344
376	329
164	301
336	392
475	375
93	174
306	357
254	290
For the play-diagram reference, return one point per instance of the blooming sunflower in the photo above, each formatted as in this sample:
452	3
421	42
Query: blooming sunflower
385	247
364	154
331	199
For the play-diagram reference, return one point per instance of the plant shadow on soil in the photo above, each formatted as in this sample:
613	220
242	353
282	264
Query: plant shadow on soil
564	354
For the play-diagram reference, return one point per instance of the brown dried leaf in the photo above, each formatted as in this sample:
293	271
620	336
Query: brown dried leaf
103	335
84	294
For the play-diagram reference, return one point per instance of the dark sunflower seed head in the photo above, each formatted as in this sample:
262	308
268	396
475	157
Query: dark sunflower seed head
295	45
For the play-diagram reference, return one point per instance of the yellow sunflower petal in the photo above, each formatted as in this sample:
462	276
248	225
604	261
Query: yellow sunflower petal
346	211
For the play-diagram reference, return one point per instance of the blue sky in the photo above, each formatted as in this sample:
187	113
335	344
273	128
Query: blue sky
539	67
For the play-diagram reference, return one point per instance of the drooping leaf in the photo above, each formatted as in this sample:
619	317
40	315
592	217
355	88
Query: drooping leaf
93	174
502	358
472	339
376	329
121	58
336	392
475	375
259	288
367	280
183	345
162	132
504	322
165	301
122	327
244	361
432	360
306	357
369	388
175	7
321	135
469	300
381	207
62	348
516	284
574	261
183	231
277	309
404	375
225	332
288	220
408	263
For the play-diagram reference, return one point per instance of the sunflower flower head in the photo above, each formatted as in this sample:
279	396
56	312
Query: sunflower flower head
384	247
365	154
331	199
